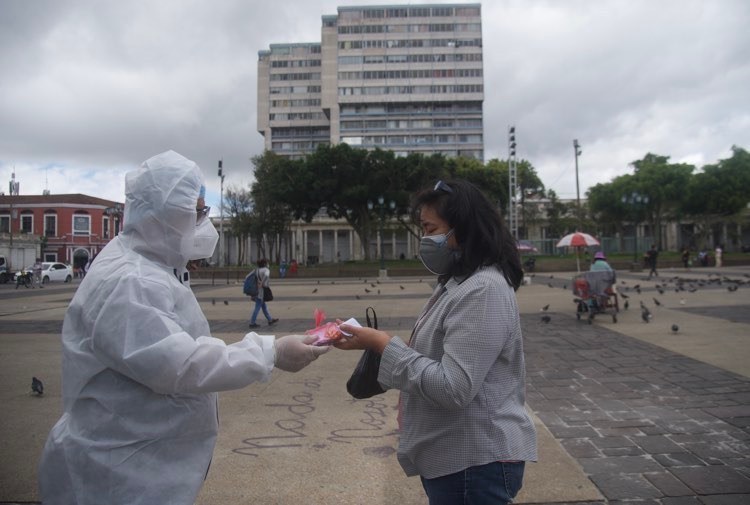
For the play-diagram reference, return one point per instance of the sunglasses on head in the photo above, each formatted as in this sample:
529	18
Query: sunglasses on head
441	186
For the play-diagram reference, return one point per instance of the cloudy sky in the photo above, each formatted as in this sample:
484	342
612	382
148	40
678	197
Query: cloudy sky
90	89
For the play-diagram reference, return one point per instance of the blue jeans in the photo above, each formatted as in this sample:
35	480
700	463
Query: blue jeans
497	483
260	304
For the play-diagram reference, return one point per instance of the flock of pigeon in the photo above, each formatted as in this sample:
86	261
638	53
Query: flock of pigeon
678	284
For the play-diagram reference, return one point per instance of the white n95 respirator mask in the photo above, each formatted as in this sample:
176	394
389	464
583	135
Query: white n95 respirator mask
205	241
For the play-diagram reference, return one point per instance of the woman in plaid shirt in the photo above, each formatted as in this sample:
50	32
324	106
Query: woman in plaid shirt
463	425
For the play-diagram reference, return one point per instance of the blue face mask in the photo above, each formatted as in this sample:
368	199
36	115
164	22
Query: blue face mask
435	254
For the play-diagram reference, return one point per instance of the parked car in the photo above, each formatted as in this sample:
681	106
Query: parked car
56	272
526	247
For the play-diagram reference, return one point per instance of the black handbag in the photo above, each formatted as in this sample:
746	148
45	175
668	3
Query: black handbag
364	380
267	294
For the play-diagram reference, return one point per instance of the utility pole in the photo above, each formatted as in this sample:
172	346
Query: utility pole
221	216
577	151
14	187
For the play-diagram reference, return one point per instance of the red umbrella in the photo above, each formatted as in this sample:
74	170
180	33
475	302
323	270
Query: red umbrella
577	239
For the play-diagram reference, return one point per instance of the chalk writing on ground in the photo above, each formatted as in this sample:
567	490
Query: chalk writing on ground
290	428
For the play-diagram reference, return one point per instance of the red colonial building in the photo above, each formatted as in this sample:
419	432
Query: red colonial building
69	228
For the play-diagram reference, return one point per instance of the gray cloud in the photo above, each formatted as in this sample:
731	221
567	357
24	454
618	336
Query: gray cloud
92	88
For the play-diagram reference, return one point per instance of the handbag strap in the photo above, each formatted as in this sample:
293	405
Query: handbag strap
372	323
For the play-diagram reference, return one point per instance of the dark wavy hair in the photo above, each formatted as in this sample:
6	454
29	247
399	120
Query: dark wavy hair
479	228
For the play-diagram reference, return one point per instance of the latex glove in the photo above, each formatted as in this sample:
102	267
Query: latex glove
294	352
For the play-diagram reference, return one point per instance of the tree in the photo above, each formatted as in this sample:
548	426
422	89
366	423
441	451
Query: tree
665	184
719	191
238	205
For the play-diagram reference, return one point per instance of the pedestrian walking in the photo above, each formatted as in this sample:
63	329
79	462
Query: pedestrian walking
718	253
651	257
263	275
37	270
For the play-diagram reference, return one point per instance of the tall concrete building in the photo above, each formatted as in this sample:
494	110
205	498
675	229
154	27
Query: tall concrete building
407	78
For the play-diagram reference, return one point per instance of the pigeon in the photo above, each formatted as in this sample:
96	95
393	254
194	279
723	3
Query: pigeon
544	309
372	285
638	290
367	290
546	319
624	295
357	297
682	301
660	290
401	287
646	316
226	302
732	289
657	302
213	301
565	286
315	290
675	328
549	284
378	291
37	386
627	305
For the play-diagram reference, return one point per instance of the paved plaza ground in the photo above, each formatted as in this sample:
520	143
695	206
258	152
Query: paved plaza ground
626	412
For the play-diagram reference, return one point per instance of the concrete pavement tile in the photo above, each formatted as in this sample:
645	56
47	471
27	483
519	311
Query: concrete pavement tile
681	500
610	442
726	499
620	465
708	480
581	448
623	451
572	432
678	459
657	444
625	486
668	484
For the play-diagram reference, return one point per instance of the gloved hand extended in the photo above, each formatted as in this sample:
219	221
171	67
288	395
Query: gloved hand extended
294	352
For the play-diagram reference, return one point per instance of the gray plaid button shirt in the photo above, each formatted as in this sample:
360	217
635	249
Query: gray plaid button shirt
462	380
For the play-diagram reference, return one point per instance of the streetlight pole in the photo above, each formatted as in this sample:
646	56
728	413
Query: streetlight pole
512	183
635	200
577	151
221	216
381	211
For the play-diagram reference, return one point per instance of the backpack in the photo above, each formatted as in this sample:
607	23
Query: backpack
250	286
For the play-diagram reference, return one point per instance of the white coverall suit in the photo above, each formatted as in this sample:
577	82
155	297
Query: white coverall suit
140	368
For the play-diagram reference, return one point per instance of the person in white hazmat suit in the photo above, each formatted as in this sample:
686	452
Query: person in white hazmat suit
140	368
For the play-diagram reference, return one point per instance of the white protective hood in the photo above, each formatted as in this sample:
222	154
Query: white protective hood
160	200
140	367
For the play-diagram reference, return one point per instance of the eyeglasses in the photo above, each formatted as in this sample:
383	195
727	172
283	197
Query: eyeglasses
441	186
202	213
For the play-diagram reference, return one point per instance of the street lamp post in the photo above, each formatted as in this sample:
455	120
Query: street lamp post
577	151
221	217
637	201
381	209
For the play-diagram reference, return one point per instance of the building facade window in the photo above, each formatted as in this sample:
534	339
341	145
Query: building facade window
81	224
4	223
50	225
27	223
